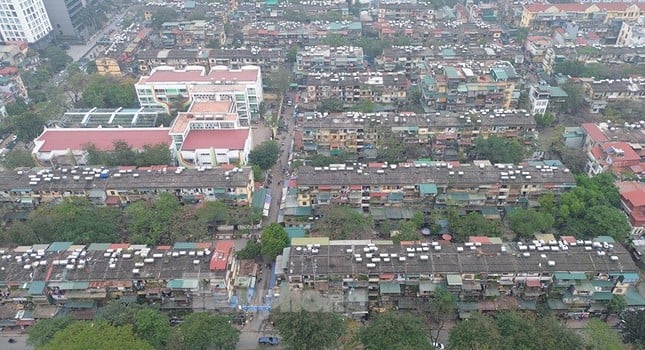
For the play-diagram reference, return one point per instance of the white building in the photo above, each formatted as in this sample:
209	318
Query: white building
539	99
24	20
632	34
166	86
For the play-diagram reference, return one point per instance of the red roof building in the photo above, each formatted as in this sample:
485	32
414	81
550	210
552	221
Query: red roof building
632	199
221	256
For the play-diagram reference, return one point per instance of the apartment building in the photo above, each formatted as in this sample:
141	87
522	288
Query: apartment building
268	59
441	132
329	59
458	89
22	20
187	34
544	97
378	87
210	134
125	184
614	148
67	20
167	85
11	85
632	34
632	200
543	16
281	33
426	184
601	93
76	278
358	277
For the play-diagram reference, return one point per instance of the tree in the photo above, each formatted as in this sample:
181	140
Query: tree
163	15
265	155
407	232
292	54
330	106
601	337
498	150
394	331
472	224
521	34
525	222
389	147
340	222
545	120
615	306
214	213
309	330
575	97
109	92
251	250
442	308
44	330
97	336
606	220
477	332
634	328
201	331
274	239
57	59
17	158
257	173
151	222
158	154
214	43
153	327
77	81
118	314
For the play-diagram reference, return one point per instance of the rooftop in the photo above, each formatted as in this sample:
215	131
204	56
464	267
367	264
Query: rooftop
103	138
340	258
233	139
197	74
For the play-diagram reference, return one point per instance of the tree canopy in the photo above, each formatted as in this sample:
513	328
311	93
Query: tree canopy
274	239
472	224
265	155
340	222
201	331
123	154
513	330
601	336
309	330
83	335
44	330
153	327
394	331
498	149
634	328
525	222
251	250
109	92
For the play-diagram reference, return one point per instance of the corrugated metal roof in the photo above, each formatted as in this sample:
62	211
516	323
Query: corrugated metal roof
390	288
183	284
59	246
36	288
184	245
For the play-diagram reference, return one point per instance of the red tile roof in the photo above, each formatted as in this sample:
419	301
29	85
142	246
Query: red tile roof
628	152
479	239
103	139
222	251
222	139
594	132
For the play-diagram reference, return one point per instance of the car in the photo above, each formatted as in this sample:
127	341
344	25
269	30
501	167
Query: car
269	340
438	346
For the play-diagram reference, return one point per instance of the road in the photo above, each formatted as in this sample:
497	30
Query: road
79	51
260	326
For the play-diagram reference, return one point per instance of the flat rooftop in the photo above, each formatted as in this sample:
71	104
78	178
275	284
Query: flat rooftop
339	258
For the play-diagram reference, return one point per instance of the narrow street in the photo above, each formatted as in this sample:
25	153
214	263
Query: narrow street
260	326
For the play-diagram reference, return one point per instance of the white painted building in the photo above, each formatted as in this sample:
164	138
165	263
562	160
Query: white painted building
24	20
166	86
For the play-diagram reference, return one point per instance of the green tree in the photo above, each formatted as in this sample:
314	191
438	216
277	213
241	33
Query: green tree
158	154
251	250
555	335
472	224
214	43
151	222
214	213
634	328
77	81
340	222
118	314
330	106
17	158
394	331
601	337
575	97
615	306
389	147
477	332
257	173
163	15
56	58
201	331
309	330
521	34
265	155
274	239
606	220
109	92
442	308
44	330
407	232
498	149
97	336
292	54
153	327
525	222
545	120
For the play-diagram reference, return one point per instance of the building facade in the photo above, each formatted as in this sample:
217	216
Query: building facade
24	20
